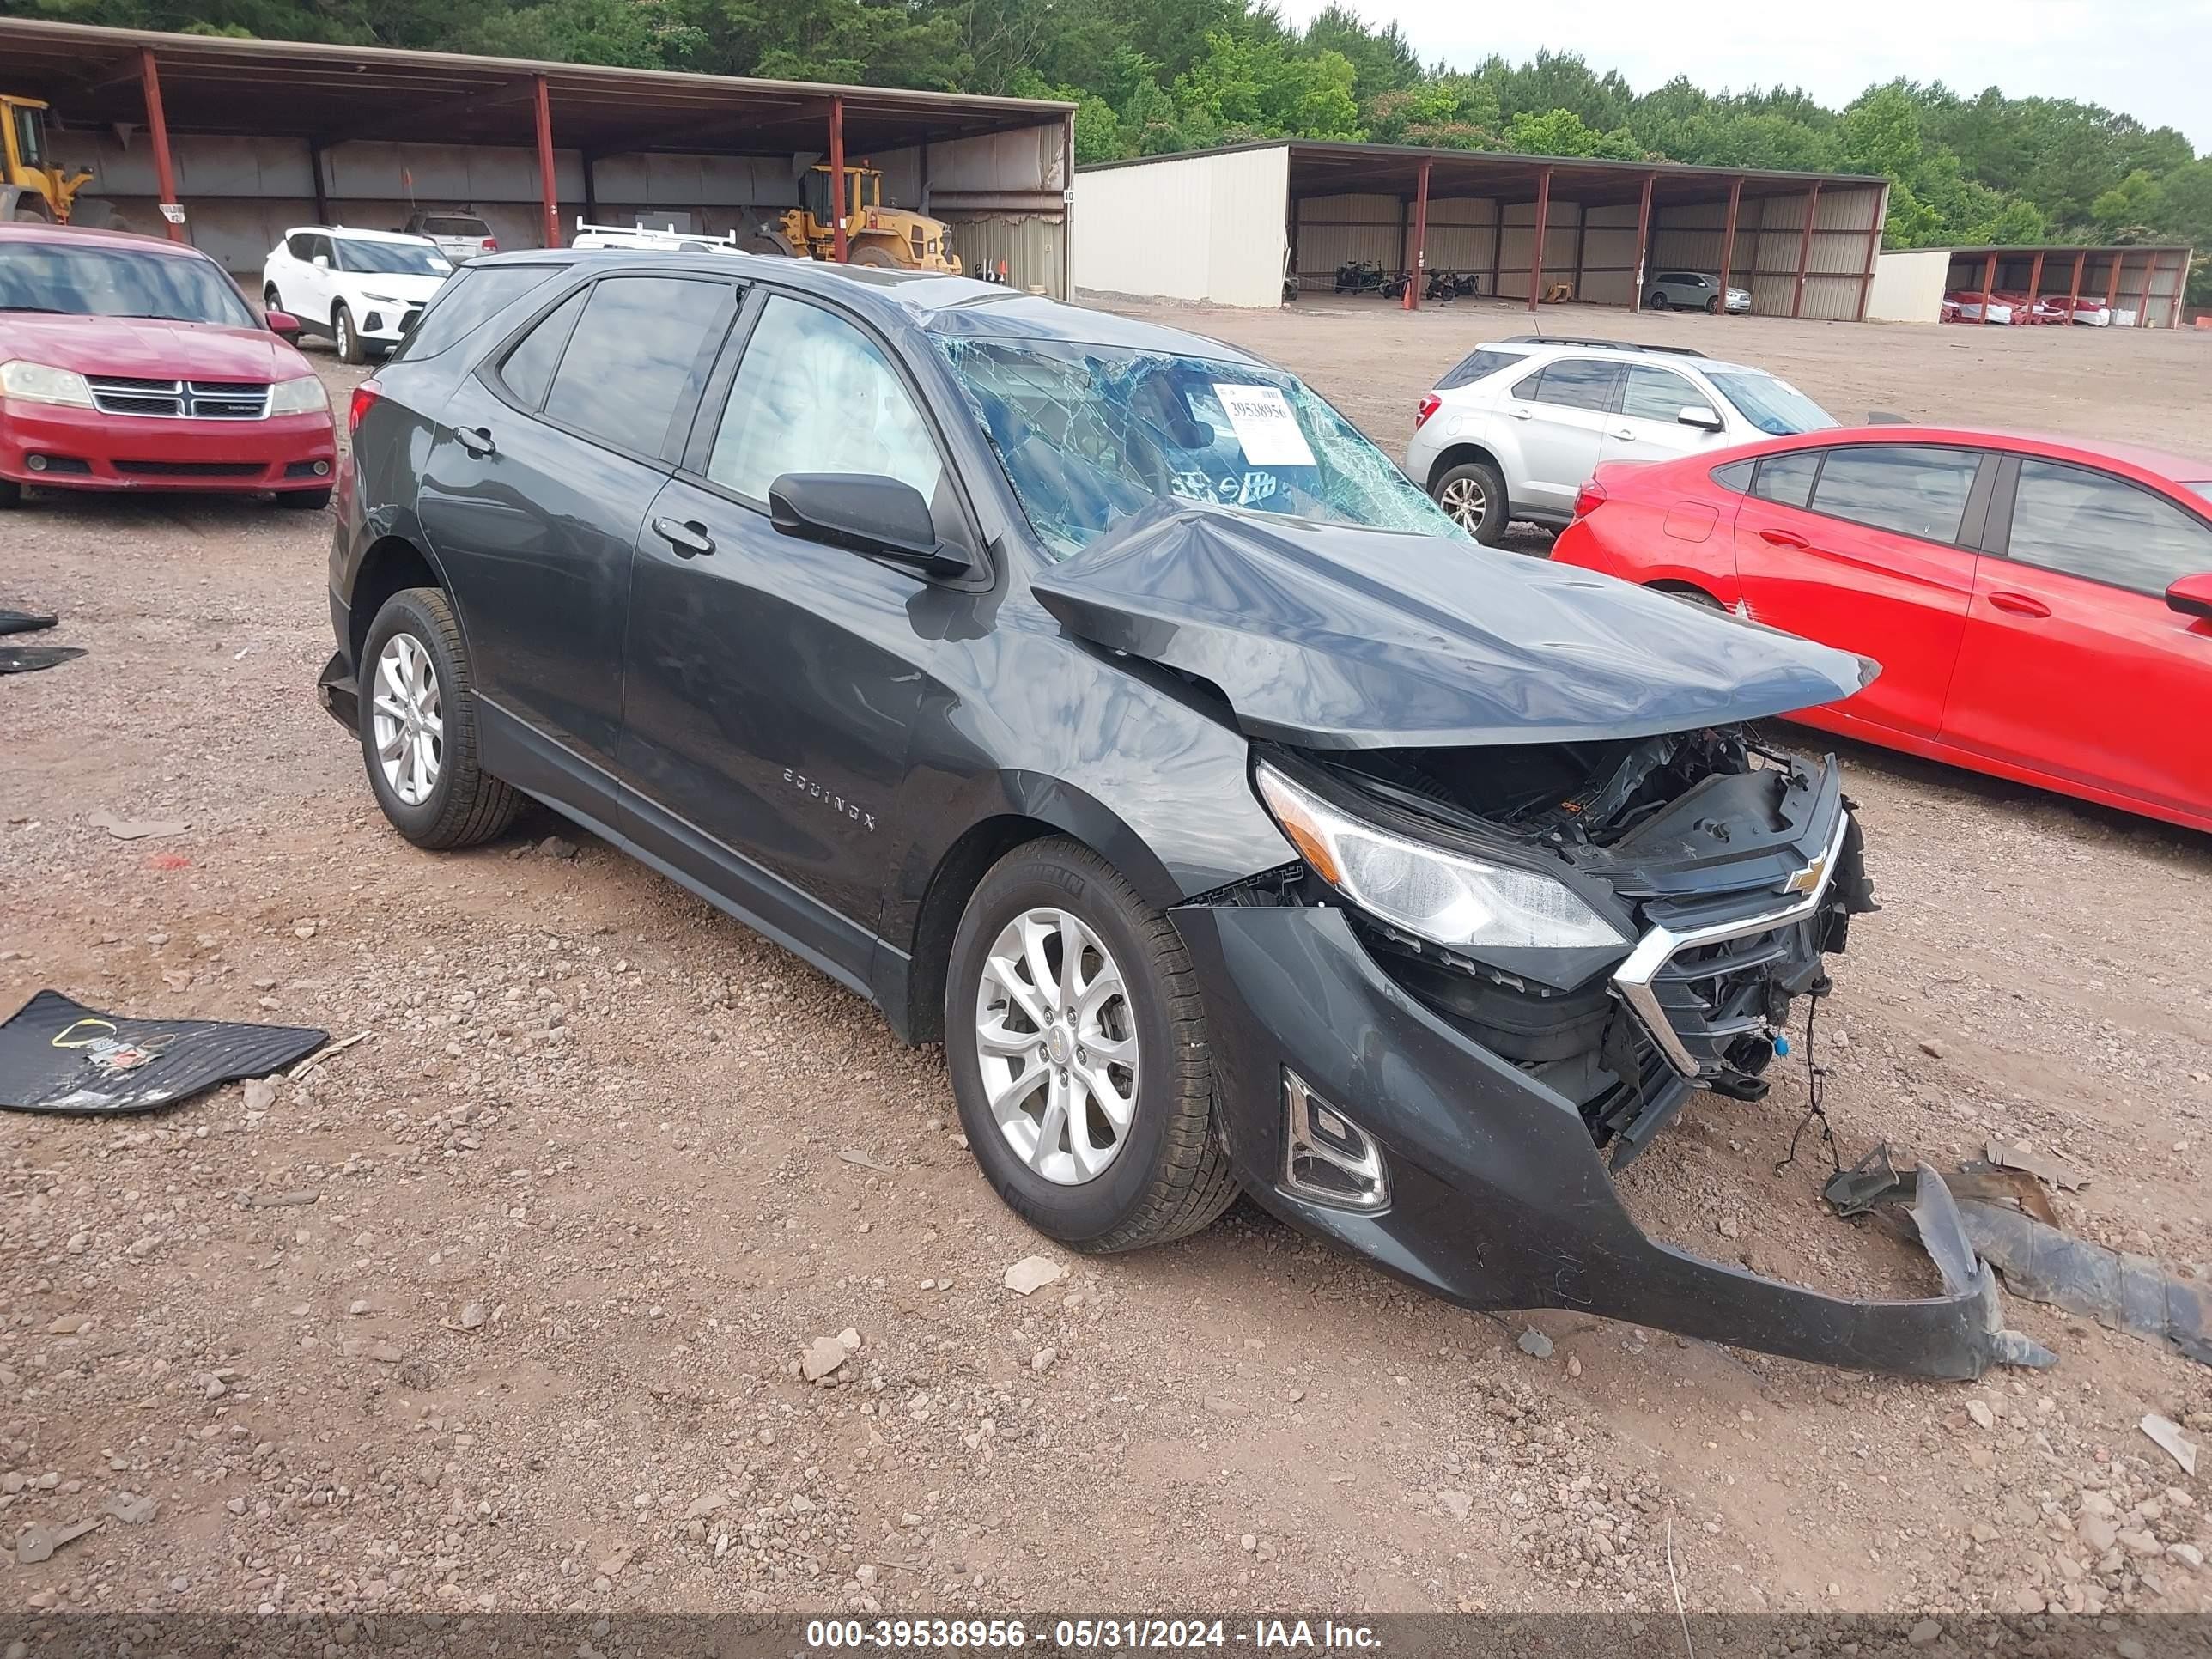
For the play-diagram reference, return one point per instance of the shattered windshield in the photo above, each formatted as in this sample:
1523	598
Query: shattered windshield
1771	405
1091	434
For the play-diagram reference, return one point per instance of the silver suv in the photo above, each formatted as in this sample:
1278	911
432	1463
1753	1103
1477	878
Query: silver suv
1691	290
1517	427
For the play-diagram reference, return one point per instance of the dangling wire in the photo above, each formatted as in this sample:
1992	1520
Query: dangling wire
1815	1074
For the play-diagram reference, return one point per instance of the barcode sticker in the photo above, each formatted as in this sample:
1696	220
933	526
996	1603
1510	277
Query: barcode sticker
1266	426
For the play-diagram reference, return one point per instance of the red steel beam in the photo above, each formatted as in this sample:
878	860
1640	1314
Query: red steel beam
2180	290
2142	305
2034	284
1420	240
1727	241
165	171
1536	248
837	177
1988	282
1874	249
549	189
2112	284
1643	243
2074	294
1804	257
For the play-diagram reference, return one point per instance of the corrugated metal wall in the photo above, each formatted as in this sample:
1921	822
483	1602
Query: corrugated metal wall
243	193
1770	233
1609	255
1462	236
1186	228
1908	286
2166	270
1561	219
1335	230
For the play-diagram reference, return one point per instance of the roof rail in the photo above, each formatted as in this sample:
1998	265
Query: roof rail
1609	345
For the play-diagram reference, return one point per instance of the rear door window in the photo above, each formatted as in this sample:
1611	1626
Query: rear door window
1578	383
1478	365
2090	524
299	244
1913	489
634	352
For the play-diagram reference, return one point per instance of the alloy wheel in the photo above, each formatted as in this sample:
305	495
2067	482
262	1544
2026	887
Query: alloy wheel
1468	503
1056	1042
409	720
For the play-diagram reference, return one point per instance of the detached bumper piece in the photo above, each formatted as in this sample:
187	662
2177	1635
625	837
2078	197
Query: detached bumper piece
1495	1195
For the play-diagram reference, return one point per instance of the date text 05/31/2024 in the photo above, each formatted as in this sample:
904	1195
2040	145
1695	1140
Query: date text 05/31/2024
1322	1635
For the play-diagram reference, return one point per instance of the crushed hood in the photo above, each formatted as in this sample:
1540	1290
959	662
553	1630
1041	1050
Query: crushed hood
1333	636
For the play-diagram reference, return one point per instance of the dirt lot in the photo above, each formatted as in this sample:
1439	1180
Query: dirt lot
607	1164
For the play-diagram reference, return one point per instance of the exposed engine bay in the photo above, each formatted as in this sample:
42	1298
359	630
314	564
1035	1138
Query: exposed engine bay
1696	832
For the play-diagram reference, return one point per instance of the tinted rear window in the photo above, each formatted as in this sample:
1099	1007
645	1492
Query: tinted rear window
634	348
471	295
529	368
1913	489
1735	476
1478	365
440	224
1787	478
1578	383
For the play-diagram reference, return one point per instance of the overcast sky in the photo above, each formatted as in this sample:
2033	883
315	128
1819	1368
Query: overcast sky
2150	59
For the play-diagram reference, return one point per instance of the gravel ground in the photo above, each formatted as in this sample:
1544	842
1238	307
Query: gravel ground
607	1167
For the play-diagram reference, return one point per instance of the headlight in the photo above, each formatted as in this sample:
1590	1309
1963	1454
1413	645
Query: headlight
1446	897
384	299
301	397
37	383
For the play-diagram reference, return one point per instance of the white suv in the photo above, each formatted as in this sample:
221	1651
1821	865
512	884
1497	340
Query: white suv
1516	429
359	287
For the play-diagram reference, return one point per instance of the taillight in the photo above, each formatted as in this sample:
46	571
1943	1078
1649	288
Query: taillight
364	398
1430	404
1591	497
489	245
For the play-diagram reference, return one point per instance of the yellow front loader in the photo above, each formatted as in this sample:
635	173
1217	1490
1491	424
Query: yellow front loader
31	187
874	234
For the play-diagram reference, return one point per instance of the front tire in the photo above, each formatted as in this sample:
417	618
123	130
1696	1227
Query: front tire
345	337
418	727
1473	493
304	500
269	298
1713	306
1656	302
1079	1054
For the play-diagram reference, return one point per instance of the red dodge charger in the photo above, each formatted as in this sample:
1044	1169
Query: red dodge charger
127	362
2041	609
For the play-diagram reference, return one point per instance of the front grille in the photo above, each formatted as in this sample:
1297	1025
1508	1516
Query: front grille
191	469
204	400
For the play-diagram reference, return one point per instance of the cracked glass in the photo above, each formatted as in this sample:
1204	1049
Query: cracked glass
1090	435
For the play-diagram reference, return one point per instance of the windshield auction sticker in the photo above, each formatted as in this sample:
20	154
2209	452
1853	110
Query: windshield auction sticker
1265	425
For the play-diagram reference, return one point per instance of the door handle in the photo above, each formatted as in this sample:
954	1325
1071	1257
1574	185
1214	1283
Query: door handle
690	541
2020	604
1624	434
1522	414
1784	538
477	440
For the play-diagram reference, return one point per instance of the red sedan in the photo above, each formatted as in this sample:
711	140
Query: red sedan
127	362
2042	609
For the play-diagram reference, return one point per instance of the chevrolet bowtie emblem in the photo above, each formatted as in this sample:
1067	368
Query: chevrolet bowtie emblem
1808	880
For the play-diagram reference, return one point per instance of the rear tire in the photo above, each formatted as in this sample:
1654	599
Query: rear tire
1474	494
345	337
1713	306
463	804
1163	1173
1656	302
1696	596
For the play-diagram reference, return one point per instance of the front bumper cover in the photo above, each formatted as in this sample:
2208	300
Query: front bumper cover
1498	1196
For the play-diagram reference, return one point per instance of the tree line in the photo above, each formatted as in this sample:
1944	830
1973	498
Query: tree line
1151	77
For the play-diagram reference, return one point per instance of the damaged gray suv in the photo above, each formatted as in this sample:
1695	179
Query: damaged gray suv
1099	702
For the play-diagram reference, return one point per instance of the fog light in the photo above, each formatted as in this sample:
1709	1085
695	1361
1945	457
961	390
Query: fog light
322	469
36	463
1327	1158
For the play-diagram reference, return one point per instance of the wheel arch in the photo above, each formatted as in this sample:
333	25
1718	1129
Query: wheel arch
1463	454
1030	808
391	564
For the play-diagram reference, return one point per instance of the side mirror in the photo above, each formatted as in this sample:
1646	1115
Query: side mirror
283	322
322	262
865	513
1697	415
2191	596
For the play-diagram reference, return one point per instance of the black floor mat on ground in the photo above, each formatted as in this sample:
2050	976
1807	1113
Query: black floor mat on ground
57	1056
28	659
23	622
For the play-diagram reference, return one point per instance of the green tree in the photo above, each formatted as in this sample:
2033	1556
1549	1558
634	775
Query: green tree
1563	132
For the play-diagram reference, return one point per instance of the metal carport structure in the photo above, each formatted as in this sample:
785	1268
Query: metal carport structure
1803	243
2144	283
322	128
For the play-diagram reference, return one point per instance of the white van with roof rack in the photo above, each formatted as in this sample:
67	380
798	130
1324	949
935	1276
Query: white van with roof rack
1517	426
